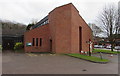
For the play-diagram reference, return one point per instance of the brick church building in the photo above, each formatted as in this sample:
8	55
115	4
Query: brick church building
63	30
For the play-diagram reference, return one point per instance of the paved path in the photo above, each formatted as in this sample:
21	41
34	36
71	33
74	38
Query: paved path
15	63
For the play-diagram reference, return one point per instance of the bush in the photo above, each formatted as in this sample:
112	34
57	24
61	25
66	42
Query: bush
18	46
0	47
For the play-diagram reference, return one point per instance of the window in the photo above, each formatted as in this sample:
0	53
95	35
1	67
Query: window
36	41
40	41
45	22
33	41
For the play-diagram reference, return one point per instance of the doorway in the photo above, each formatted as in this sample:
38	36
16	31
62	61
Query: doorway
80	39
50	45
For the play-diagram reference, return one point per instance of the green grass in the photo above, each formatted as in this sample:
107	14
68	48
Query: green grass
89	58
105	51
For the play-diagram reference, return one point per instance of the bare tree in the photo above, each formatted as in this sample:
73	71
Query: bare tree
34	21
118	22
95	29
109	20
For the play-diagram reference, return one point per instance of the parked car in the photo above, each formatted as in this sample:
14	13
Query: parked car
95	46
117	47
108	47
98	46
104	46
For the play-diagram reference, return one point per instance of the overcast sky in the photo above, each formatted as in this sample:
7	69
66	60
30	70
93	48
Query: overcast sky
24	11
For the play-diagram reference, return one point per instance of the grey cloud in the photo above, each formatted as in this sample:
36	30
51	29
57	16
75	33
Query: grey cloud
24	11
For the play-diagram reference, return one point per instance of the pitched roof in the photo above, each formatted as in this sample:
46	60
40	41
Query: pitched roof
41	22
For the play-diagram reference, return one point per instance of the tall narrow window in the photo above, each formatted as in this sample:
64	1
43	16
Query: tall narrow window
33	41
40	41
36	41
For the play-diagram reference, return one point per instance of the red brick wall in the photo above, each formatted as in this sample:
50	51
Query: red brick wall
64	26
63	29
77	21
40	32
60	24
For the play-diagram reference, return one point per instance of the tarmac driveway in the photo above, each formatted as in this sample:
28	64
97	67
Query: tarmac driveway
27	63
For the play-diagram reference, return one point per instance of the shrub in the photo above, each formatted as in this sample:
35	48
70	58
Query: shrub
18	46
0	47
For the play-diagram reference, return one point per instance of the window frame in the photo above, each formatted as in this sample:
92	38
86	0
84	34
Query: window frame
36	41
33	41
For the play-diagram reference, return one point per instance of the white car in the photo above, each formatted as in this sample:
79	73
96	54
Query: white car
98	46
108	47
117	47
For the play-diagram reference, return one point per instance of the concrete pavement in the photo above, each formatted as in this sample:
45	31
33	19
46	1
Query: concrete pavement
16	63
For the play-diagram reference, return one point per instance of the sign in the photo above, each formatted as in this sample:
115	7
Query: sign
28	44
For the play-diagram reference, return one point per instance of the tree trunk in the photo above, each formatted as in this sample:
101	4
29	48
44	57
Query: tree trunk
112	46
111	42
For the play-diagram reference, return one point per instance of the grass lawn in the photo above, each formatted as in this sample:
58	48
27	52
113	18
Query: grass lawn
105	51
89	58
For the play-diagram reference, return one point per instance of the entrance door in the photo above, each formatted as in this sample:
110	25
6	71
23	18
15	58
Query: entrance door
8	44
80	39
50	45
